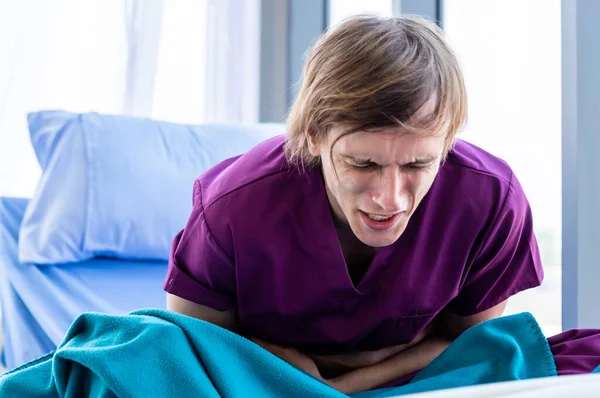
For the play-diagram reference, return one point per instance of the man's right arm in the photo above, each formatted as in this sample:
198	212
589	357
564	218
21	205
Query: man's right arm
224	319
227	320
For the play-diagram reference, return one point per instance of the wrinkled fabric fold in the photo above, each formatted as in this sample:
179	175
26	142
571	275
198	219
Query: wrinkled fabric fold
156	353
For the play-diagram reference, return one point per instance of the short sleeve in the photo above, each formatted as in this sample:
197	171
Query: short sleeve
199	270
507	262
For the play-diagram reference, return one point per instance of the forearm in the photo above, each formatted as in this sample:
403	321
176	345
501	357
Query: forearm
411	360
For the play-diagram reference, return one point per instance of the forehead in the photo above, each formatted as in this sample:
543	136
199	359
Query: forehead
394	139
391	144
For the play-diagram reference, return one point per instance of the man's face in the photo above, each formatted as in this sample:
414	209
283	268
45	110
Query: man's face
376	180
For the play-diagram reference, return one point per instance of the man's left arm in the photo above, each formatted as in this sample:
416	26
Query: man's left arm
506	262
448	327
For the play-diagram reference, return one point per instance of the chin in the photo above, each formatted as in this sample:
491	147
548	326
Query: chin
381	239
379	242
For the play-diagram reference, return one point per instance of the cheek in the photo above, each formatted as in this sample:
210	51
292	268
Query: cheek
352	184
422	183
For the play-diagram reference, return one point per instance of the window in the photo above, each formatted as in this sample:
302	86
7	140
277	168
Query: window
65	54
340	9
179	91
511	55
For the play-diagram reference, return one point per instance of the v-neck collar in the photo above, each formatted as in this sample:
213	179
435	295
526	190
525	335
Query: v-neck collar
329	247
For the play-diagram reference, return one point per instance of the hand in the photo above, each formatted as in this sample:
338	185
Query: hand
293	357
355	360
302	362
342	363
400	365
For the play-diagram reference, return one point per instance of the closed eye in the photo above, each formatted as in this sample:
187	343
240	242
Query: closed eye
366	166
418	166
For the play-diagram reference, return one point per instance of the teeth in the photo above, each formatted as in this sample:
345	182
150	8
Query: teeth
378	218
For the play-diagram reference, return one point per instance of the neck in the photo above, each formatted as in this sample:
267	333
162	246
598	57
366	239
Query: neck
346	236
348	240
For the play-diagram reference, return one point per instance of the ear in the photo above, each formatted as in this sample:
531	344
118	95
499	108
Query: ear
313	146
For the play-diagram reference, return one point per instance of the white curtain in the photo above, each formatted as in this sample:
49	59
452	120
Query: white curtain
233	48
186	61
64	54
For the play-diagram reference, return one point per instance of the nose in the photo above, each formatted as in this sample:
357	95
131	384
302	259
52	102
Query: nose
389	192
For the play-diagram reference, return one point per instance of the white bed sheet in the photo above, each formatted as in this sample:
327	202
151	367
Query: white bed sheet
576	386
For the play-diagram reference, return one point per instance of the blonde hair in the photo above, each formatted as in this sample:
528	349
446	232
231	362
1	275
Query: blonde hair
371	73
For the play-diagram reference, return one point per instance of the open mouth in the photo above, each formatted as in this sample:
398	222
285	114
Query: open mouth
379	222
377	217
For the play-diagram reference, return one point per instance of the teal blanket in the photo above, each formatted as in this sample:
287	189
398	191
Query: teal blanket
155	353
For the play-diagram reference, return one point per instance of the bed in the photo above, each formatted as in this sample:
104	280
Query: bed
39	303
95	236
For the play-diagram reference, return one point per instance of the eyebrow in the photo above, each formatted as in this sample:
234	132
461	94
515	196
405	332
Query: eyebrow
416	162
421	161
357	160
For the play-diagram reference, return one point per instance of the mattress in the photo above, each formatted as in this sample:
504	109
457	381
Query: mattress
39	303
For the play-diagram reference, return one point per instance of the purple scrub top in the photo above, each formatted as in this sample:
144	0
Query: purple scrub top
261	241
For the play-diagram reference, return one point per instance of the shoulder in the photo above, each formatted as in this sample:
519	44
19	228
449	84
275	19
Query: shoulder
254	186
470	161
475	173
475	187
252	197
262	165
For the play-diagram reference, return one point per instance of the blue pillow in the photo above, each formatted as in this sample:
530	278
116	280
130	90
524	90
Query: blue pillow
119	186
